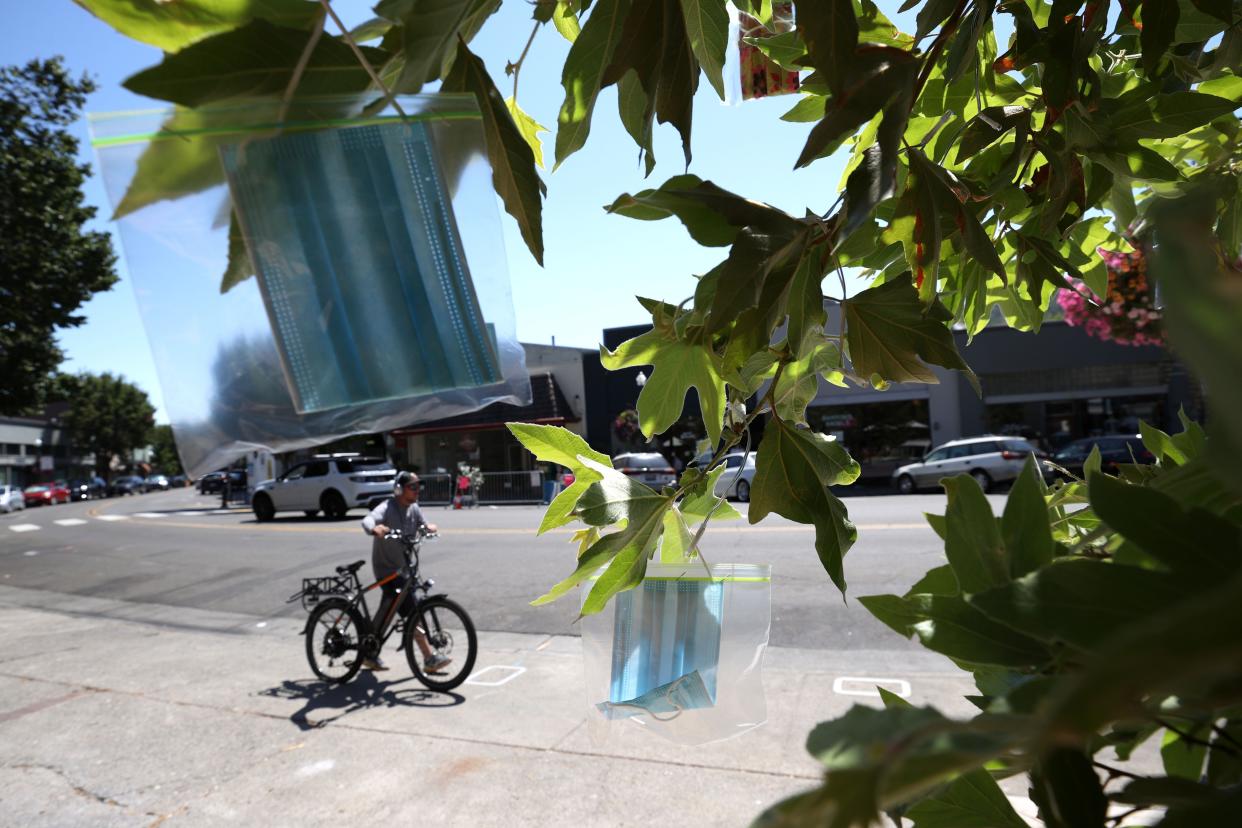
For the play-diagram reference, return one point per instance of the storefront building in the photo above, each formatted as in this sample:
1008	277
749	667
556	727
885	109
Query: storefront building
36	450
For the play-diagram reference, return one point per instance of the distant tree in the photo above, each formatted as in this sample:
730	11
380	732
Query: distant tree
49	265
164	448
108	416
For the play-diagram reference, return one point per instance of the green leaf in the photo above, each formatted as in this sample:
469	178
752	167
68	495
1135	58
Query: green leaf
208	70
239	267
1159	27
677	367
1079	601
1220	9
1183	758
948	625
798	384
1091	466
989	126
830	32
424	34
637	117
697	507
707	24
173	26
171	167
973	800
1166	790
529	127
513	162
1025	531
1192	440
785	49
565	21
1161	445
1067	790
1168	115
972	539
713	216
932	14
1139	163
675	545
583	74
553	444
1193	543
614	498
889	336
937	581
792	476
877	74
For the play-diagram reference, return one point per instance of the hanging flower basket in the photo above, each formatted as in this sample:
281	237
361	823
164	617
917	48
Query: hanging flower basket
1127	315
626	425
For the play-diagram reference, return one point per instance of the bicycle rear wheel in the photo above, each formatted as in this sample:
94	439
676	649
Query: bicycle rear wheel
449	633
334	634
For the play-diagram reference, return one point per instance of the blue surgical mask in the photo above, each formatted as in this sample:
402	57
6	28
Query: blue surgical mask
360	264
666	646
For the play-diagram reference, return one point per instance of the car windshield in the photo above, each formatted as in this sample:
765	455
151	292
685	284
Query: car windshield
363	464
35	489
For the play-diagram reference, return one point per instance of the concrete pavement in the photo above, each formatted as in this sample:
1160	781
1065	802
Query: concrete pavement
115	713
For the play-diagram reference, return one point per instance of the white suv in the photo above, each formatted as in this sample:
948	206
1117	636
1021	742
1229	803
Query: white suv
989	460
333	483
11	499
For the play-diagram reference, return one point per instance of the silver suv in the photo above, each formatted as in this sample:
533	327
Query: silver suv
331	483
989	460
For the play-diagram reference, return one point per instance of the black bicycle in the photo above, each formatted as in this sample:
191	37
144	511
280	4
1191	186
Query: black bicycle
437	635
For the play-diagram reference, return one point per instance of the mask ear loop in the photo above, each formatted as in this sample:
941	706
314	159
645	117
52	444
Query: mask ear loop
668	697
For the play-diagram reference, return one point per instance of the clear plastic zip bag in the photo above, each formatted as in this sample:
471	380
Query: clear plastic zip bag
380	295
681	654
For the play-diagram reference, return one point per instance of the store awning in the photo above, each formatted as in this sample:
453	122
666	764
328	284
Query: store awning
548	406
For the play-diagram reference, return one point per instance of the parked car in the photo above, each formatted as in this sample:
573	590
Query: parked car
333	484
735	481
989	460
45	494
87	489
11	499
212	482
155	483
178	481
1115	449
647	467
127	485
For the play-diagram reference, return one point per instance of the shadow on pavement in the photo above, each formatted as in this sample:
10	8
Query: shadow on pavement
364	692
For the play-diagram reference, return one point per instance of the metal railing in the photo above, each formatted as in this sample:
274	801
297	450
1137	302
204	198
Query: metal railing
496	488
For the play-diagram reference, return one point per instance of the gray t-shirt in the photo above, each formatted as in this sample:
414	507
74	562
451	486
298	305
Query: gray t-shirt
386	555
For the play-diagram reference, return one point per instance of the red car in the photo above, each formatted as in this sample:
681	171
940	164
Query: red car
46	494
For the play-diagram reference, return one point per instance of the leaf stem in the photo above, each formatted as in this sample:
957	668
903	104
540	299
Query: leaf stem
389	97
516	66
300	68
1195	740
1113	773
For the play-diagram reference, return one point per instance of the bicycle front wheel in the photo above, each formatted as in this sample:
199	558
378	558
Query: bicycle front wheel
440	644
334	636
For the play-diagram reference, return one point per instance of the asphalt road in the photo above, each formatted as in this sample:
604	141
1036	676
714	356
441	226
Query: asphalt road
179	549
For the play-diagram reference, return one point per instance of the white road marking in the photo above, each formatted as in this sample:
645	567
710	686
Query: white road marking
148	514
867	686
111	517
517	671
30	553
316	768
191	514
24	527
69	522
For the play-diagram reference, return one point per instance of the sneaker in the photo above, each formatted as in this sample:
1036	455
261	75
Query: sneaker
437	663
376	663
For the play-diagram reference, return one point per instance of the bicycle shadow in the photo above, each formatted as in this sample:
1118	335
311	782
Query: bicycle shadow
363	693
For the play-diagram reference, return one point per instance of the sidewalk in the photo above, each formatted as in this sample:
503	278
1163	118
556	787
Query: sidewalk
115	713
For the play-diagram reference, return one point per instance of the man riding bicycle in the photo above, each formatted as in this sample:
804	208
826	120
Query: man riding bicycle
399	513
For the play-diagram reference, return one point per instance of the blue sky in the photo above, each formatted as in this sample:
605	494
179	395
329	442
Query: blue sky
594	263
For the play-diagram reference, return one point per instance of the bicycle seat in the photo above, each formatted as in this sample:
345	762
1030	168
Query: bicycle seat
351	569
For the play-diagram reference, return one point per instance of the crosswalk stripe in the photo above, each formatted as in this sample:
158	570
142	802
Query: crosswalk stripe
190	513
23	527
112	517
149	514
69	522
